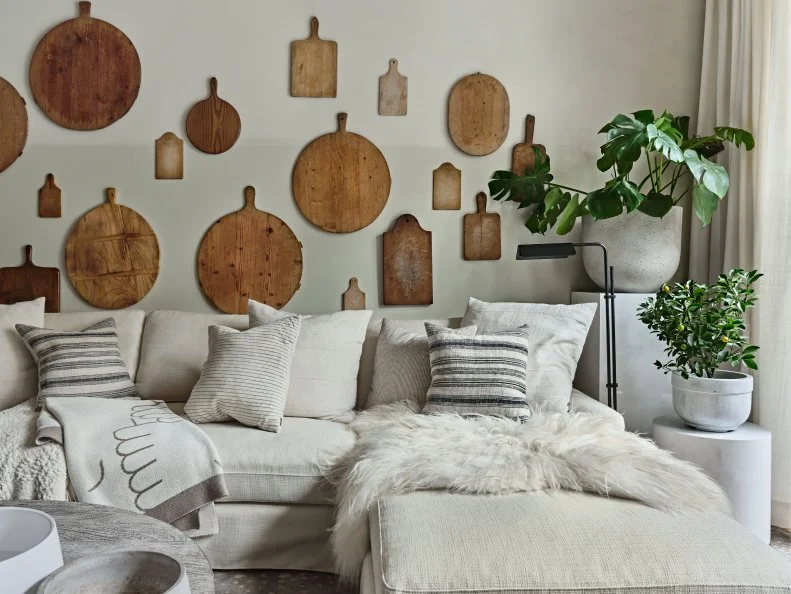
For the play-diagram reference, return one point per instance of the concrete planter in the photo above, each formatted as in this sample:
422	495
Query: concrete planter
719	404
644	250
29	549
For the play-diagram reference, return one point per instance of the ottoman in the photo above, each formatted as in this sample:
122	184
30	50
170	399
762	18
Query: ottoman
560	543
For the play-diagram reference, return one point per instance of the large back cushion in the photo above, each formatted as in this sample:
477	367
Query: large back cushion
175	346
128	323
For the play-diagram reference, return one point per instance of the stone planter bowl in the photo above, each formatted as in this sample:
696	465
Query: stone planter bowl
29	549
718	404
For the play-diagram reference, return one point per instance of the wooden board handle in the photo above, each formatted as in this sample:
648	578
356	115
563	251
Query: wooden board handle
314	28
249	197
480	199
111	196
353	284
213	86
393	65
28	255
50	180
342	117
530	125
85	10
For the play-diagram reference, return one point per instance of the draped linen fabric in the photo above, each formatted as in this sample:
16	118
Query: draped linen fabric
745	83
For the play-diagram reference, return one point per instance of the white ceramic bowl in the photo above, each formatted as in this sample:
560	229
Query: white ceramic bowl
123	572
29	549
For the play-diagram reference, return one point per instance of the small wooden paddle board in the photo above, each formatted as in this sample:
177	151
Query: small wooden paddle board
213	124
523	157
392	91
314	65
481	233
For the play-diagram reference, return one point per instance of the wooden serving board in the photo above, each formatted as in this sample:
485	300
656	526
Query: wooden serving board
13	124
392	91
169	157
408	278
341	181
49	205
85	73
353	298
523	157
28	282
314	65
481	233
112	255
447	187
213	125
249	254
478	114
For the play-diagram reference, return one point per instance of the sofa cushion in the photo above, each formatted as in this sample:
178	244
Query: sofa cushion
175	347
18	375
128	325
282	467
563	543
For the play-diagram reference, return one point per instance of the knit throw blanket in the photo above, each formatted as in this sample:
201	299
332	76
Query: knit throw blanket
137	455
399	451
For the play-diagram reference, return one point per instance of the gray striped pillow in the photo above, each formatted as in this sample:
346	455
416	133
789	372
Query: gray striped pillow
81	363
246	375
484	374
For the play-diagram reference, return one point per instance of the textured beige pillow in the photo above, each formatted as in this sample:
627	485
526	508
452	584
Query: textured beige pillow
18	373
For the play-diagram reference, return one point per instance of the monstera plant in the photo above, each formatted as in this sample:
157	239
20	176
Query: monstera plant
673	158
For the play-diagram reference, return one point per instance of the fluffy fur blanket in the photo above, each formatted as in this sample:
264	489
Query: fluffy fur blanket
399	451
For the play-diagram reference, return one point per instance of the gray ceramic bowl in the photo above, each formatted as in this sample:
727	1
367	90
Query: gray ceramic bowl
141	572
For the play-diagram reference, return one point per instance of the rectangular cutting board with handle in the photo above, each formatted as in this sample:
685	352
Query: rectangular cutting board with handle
28	282
523	157
314	65
482	233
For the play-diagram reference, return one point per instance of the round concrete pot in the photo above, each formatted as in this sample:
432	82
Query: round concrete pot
719	404
644	250
29	548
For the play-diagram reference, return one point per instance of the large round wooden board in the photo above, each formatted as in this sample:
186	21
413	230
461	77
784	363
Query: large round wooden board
13	124
478	114
85	73
249	254
112	255
213	124
341	181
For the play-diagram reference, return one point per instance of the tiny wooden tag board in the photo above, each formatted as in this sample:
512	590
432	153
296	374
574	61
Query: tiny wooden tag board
447	187
481	233
49	205
314	65
169	157
407	270
213	124
392	91
523	157
28	282
353	298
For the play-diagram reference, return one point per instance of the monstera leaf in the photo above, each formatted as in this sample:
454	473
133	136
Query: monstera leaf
713	176
664	143
610	200
656	204
704	203
626	138
737	136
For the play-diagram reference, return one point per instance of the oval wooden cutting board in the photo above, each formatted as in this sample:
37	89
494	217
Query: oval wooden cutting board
85	73
13	124
249	254
479	113
213	124
112	255
341	181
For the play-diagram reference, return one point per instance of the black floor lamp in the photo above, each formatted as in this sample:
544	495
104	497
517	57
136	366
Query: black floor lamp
550	251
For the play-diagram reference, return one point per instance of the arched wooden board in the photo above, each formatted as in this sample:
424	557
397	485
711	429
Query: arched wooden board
112	255
249	254
49	205
523	157
13	124
213	124
447	188
85	73
28	282
354	297
478	114
341	181
393	91
169	157
407	264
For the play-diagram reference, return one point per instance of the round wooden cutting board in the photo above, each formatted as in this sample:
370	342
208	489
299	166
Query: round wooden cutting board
341	181
85	73
213	124
112	255
249	254
13	124
478	114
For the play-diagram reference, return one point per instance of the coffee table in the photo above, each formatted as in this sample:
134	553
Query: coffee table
86	529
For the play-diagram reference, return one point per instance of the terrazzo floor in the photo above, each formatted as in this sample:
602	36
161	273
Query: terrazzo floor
307	582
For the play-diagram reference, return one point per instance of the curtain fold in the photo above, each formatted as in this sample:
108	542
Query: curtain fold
746	82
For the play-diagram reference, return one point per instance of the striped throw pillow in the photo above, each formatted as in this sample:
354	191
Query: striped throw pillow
81	363
246	375
484	374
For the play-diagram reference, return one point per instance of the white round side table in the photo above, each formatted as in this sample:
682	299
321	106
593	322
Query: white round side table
740	461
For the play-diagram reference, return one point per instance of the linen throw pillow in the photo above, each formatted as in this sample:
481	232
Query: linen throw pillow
557	334
18	375
484	374
78	363
245	376
323	382
402	370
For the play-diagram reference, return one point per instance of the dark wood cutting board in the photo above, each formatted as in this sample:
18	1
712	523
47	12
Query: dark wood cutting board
213	124
85	73
49	204
407	267
314	65
28	282
13	124
481	233
523	157
479	114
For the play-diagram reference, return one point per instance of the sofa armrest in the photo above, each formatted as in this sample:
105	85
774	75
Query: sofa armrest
583	403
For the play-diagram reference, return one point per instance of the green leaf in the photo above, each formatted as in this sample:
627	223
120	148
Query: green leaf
626	137
704	203
751	363
604	204
737	136
748	350
708	173
681	124
644	116
661	141
552	197
568	217
656	204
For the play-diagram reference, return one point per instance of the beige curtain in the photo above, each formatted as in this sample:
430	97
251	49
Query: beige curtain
745	83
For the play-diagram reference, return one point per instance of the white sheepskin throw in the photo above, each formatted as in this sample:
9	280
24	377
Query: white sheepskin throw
399	451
